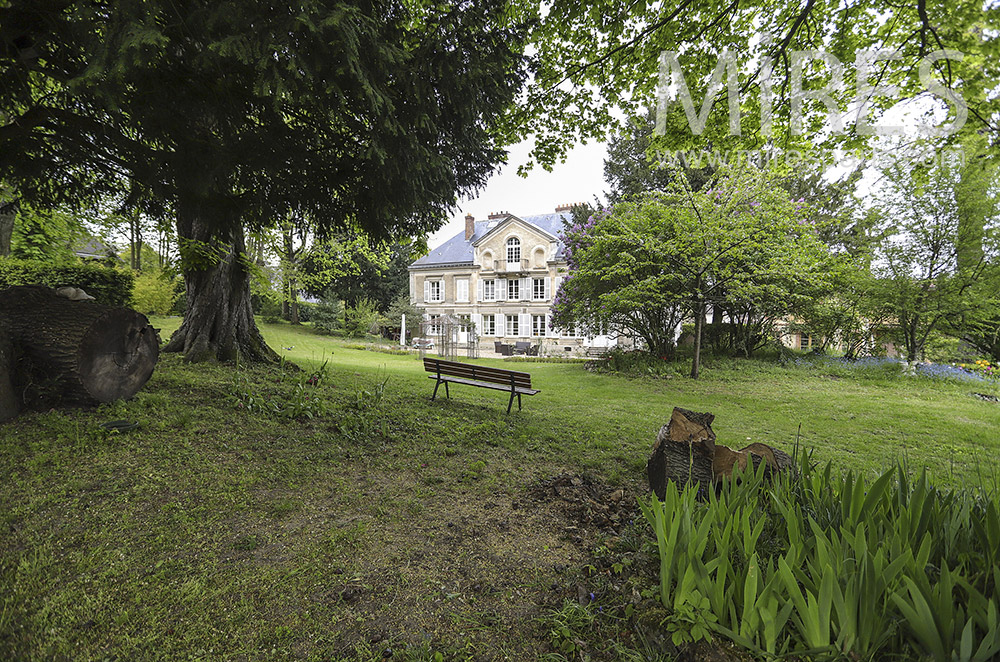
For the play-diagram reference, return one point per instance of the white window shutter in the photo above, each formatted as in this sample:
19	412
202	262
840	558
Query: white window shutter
525	289
479	289
502	286
477	323
525	325
501	324
427	290
548	288
549	331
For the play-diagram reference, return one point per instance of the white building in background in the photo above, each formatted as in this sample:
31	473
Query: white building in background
501	275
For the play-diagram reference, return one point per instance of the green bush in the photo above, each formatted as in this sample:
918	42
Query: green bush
636	362
154	293
306	311
328	316
109	286
834	566
362	318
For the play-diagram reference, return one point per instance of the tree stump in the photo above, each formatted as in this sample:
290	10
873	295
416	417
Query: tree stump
686	452
71	352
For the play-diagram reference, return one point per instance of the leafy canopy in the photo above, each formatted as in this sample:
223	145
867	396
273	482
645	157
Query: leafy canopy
645	263
370	115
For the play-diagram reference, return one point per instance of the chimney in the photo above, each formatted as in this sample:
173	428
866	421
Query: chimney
470	226
499	214
566	207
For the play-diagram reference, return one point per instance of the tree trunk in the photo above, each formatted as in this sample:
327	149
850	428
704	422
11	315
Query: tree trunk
699	325
686	452
10	404
6	230
73	351
218	323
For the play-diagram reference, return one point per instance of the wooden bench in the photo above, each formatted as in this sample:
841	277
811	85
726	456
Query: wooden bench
445	372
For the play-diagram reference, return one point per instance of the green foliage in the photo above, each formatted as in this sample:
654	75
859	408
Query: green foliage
369	118
289	398
110	286
400	306
645	264
328	316
362	318
638	363
932	270
154	292
598	62
45	236
567	627
830	564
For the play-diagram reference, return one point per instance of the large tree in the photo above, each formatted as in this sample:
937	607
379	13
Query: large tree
650	261
600	61
232	114
936	258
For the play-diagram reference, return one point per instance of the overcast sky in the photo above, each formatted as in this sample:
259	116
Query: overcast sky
577	180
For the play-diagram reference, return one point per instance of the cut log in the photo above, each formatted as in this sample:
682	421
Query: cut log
75	352
686	452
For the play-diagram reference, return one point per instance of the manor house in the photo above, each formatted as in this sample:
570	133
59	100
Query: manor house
500	277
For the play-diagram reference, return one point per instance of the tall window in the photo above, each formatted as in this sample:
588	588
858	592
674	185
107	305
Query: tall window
513	289
434	325
512	328
489	325
434	291
538	325
489	290
514	250
538	289
462	289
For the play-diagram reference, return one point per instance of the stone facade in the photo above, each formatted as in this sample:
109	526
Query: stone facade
501	274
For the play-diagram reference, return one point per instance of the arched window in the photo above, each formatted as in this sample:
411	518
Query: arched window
513	249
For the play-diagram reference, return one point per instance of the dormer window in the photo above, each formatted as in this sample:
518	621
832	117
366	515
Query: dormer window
514	250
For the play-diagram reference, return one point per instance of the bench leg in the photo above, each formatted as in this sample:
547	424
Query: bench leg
436	385
511	403
446	393
519	402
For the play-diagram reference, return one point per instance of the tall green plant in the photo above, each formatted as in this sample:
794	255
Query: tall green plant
829	565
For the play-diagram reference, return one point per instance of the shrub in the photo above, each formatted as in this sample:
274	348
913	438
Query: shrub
328	316
637	363
154	293
362	318
108	285
835	566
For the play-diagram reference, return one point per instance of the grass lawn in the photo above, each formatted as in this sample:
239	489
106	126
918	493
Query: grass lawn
389	526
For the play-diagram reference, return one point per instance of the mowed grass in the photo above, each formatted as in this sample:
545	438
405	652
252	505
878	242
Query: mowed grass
608	423
387	526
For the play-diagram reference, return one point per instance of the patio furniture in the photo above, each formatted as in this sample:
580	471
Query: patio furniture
521	347
453	372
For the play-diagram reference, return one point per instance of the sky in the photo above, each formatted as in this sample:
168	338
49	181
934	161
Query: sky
578	179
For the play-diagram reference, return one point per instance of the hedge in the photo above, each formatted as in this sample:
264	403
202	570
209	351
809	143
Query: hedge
110	286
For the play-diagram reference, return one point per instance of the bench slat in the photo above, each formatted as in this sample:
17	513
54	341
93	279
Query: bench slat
470	374
478	372
472	382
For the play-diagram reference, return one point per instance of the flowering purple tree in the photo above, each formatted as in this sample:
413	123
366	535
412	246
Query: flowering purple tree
646	264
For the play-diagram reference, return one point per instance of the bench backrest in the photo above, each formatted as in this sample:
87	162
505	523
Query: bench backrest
478	372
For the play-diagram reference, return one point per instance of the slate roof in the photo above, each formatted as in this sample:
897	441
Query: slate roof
458	250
